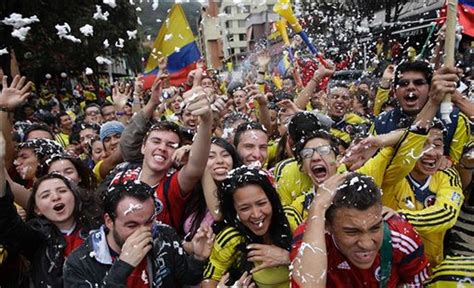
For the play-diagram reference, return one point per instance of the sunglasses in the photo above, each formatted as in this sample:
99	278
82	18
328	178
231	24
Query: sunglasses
321	150
416	82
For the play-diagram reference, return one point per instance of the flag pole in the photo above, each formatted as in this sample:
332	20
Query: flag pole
449	47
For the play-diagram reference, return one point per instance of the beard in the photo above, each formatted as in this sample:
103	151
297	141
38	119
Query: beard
118	240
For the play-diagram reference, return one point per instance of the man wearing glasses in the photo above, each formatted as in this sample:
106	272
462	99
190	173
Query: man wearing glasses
92	114
411	87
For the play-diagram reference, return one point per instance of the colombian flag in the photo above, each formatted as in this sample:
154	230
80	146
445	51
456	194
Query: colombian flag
175	41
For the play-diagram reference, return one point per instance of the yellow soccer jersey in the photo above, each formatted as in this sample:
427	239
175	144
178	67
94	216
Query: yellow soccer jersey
453	272
431	207
228	247
380	98
62	139
96	171
342	131
291	182
271	151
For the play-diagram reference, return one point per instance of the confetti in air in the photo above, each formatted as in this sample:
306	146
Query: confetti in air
132	34
17	21
87	30
102	60
119	43
98	15
89	71
3	51
21	33
106	43
111	3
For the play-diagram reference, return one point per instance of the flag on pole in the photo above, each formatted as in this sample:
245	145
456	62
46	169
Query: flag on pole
465	12
176	41
466	16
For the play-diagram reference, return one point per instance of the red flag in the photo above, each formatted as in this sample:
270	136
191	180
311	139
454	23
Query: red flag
465	13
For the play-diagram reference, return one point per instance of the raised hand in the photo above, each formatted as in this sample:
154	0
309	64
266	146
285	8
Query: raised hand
162	63
121	93
263	58
323	71
288	107
268	256
196	101
444	82
202	242
254	94
326	192
181	155
361	152
13	96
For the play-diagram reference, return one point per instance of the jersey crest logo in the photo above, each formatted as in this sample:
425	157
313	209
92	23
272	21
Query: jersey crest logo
456	198
377	274
344	266
429	201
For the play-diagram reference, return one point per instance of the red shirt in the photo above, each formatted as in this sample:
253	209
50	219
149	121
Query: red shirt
409	263
173	202
139	278
73	241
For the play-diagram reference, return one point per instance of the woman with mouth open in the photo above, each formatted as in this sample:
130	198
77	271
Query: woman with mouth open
258	233
54	228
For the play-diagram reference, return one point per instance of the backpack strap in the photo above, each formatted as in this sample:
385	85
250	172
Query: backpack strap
166	189
386	256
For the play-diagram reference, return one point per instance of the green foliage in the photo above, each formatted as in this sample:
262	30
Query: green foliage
44	52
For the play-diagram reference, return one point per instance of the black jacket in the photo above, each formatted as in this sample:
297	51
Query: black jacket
168	265
38	240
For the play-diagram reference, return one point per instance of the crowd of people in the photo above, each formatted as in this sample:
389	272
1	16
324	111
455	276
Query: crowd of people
256	182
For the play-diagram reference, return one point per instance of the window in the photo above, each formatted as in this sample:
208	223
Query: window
228	10
242	37
228	24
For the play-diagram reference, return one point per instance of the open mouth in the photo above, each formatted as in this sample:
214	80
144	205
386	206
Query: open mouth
59	207
319	171
364	256
159	158
258	224
411	98
221	170
429	163
339	107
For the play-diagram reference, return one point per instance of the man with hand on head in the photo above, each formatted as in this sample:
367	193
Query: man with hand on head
132	249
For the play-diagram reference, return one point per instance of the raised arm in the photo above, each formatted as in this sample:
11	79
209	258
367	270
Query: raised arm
11	97
3	180
311	262
210	195
305	95
197	102
132	137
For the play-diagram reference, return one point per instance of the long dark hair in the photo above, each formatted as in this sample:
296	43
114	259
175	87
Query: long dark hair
279	231
87	212
30	210
88	180
197	203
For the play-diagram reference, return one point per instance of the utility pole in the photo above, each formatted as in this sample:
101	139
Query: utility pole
211	35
